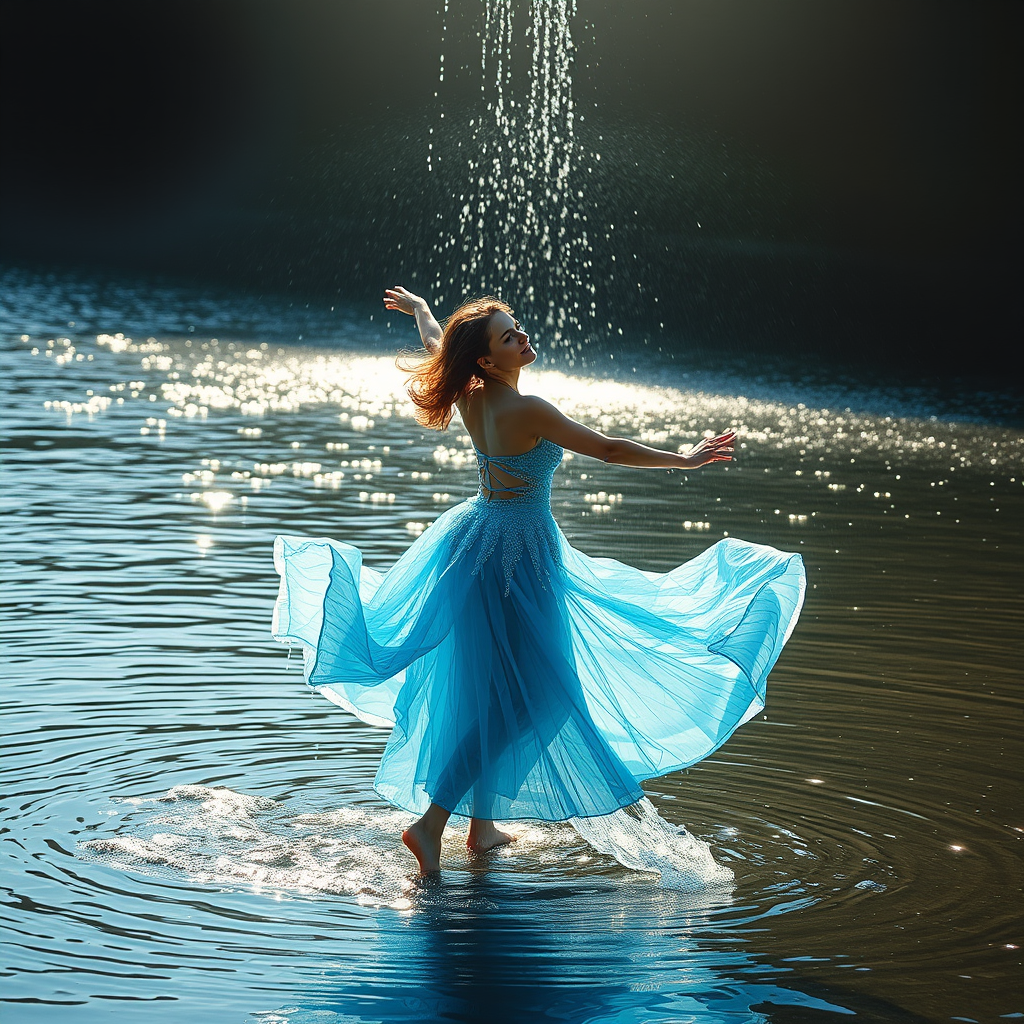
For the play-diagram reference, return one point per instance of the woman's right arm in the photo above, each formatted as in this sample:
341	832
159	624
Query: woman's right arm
546	421
404	301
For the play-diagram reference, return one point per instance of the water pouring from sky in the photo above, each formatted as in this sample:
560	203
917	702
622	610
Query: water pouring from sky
521	205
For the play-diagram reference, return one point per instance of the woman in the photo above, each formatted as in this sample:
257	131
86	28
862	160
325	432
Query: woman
522	678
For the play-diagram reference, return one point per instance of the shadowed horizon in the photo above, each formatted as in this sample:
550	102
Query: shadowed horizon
850	166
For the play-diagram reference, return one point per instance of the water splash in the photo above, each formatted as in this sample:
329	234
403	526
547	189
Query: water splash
639	838
219	837
521	203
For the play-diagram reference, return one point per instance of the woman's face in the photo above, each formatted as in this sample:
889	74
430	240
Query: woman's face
509	346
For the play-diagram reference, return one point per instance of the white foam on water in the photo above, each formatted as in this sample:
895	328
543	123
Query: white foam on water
216	836
219	837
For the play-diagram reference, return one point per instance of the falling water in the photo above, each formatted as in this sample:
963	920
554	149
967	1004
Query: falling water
521	224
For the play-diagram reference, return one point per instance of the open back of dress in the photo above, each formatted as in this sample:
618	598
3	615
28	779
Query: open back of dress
499	479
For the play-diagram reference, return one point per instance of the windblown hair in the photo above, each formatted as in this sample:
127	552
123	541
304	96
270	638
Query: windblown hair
451	371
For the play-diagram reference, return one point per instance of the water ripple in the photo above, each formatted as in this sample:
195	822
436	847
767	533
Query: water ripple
182	822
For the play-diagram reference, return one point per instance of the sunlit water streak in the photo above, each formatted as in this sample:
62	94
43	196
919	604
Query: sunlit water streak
184	823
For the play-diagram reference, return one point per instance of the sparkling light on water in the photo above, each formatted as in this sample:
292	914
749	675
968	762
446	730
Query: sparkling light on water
214	807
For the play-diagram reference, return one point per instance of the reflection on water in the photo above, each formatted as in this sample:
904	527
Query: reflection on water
482	950
183	823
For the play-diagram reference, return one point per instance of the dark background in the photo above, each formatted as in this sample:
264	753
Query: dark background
853	165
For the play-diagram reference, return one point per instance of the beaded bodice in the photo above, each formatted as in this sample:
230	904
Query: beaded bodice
510	516
518	479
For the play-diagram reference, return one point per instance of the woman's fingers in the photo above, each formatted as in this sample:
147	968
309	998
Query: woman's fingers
395	299
711	444
721	443
401	299
715	449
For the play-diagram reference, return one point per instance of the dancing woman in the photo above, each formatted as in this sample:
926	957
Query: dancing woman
520	677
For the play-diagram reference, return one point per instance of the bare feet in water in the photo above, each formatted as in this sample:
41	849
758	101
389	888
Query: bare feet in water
484	836
423	838
425	847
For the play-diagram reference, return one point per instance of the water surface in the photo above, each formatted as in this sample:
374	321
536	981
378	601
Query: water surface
187	832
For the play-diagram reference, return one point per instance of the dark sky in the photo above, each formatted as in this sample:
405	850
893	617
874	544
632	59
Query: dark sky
195	133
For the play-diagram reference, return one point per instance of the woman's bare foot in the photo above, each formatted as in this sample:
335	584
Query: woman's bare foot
484	836
426	848
423	837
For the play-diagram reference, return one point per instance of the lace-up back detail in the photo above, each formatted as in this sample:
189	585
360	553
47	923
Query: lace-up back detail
519	478
511	514
496	478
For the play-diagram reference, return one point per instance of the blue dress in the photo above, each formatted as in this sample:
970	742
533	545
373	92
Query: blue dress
521	678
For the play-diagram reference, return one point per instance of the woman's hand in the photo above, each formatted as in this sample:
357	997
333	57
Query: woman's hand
403	300
711	449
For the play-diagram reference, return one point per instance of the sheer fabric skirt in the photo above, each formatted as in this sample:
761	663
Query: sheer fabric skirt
521	678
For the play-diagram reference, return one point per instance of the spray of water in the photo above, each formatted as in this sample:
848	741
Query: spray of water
639	838
522	223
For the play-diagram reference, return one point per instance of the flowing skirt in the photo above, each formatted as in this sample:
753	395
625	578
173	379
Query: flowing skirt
521	678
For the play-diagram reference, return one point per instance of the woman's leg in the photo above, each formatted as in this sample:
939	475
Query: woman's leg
423	837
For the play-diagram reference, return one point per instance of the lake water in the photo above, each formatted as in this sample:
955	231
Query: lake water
189	834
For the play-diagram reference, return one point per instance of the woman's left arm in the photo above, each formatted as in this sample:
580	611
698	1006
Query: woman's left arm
546	421
404	301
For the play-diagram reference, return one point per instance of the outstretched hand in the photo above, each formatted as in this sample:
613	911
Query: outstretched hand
711	449
403	300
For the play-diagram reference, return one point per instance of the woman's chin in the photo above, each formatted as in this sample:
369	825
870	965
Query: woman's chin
529	356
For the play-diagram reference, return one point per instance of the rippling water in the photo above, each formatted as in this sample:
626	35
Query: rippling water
184	824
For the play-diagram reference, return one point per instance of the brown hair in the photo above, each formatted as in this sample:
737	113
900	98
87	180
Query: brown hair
451	371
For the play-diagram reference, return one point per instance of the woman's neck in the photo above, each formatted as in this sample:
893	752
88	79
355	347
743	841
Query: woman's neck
510	378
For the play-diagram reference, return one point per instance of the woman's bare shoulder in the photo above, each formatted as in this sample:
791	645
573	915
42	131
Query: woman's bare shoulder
536	408
545	420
